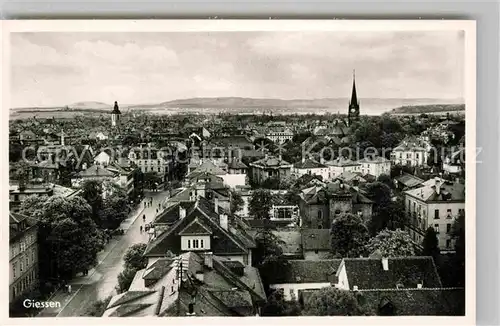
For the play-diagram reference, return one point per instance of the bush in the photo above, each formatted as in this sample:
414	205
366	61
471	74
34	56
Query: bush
98	308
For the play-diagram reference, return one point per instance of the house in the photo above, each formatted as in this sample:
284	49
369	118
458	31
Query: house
102	159
375	166
411	152
408	301
192	284
203	226
125	174
435	203
316	244
237	173
279	135
270	167
454	163
320	205
101	136
310	167
387	273
352	178
95	172
151	159
23	255
407	181
299	275
19	192
340	165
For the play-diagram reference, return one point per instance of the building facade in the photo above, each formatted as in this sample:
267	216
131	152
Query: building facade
23	256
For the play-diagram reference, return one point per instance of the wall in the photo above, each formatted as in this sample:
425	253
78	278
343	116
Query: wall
443	220
309	215
185	238
233	180
295	287
28	278
365	209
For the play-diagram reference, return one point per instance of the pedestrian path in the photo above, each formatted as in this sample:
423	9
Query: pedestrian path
62	296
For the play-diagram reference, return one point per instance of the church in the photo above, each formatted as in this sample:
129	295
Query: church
353	113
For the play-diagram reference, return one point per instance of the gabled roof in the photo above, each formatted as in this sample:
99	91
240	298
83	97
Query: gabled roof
309	164
368	273
409	180
210	167
341	162
417	302
196	227
316	239
231	241
96	171
237	164
307	271
448	191
271	162
376	159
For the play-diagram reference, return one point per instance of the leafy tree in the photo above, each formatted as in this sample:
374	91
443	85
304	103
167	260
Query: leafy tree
277	306
389	243
134	257
261	202
236	202
348	236
92	192
379	192
385	179
133	262
330	301
125	279
69	240
98	308
391	215
430	244
268	254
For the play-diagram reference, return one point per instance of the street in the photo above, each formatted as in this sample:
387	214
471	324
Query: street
101	280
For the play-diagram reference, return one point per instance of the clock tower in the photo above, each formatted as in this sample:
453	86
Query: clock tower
353	113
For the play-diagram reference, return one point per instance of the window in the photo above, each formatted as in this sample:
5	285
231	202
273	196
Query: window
448	243
448	228
33	255
436	214
189	244
201	243
320	215
195	244
14	269
414	207
436	228
316	251
21	265
461	211
408	155
448	213
27	261
416	156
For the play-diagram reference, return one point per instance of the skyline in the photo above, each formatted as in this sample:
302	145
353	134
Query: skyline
143	68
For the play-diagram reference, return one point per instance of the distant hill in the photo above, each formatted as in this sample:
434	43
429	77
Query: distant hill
432	108
90	106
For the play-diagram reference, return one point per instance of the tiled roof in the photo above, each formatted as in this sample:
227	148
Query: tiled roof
196	227
291	241
307	271
271	162
349	176
125	310
96	170
158	269
449	191
128	297
377	159
409	180
210	167
316	239
309	164
368	273
237	164
342	162
417	302
235	240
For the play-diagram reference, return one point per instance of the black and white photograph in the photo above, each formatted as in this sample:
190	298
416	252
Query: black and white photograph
240	169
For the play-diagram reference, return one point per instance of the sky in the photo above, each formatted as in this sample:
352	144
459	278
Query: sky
57	69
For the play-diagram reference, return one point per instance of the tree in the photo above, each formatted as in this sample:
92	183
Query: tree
348	235
379	192
134	257
389	215
277	306
69	240
260	204
133	262
458	234
92	192
389	243
236	203
330	301
385	179
268	254
430	244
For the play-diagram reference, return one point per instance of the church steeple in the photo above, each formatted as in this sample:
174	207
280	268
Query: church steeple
353	113
115	115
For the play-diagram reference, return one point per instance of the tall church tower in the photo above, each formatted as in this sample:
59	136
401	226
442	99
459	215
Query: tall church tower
353	113
115	116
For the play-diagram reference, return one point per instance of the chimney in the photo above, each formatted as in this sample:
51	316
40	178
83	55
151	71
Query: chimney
208	259
223	221
385	264
216	204
438	186
182	212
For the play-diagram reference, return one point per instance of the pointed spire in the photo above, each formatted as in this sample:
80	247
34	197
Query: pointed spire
354	97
